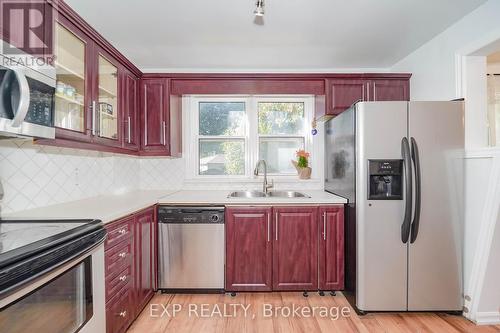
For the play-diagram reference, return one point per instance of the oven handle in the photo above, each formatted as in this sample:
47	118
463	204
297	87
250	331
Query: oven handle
24	98
15	292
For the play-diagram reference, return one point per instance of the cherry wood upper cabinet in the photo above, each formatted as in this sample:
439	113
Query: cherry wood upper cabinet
155	117
130	111
248	249
388	90
342	93
145	257
295	248
331	248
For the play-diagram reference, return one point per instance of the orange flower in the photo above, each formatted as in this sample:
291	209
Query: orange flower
302	153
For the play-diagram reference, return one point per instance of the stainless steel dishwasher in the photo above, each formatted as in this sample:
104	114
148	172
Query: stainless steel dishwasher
191	248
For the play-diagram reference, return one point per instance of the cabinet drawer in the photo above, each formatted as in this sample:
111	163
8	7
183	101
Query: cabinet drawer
118	257
118	282
118	231
119	311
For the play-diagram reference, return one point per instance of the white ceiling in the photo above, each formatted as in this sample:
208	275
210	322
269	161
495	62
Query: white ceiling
307	35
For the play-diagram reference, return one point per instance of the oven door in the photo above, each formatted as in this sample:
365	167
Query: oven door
67	300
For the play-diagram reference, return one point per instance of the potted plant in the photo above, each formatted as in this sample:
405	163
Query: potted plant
302	164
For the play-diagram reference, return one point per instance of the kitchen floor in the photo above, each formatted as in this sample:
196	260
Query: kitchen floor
205	313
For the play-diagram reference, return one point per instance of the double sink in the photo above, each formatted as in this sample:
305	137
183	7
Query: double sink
270	194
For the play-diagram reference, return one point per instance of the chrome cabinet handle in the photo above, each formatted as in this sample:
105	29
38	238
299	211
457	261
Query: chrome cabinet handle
24	99
363	94
145	116
122	231
164	131
268	227
123	278
123	255
368	91
276	226
374	91
324	226
94	119
128	134
123	314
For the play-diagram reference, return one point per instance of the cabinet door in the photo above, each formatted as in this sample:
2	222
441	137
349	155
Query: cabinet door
73	97
389	90
248	249
129	107
295	248
342	93
155	117
144	276
105	107
331	248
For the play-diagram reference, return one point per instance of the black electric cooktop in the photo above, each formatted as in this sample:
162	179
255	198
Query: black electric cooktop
20	239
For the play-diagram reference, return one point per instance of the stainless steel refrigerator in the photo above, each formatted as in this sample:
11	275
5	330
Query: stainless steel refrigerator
400	165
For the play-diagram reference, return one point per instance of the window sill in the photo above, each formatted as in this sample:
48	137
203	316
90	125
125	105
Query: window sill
275	179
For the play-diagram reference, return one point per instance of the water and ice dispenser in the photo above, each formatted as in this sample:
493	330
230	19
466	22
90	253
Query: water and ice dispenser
385	179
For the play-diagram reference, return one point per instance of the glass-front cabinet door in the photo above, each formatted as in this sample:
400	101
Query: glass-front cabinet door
71	85
107	105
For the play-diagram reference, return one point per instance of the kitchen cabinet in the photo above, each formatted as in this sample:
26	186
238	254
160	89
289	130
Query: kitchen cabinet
341	93
145	254
155	117
388	90
295	248
331	248
248	248
130	268
130	110
285	248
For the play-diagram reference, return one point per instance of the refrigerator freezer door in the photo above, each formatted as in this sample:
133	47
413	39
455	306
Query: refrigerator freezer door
381	255
435	256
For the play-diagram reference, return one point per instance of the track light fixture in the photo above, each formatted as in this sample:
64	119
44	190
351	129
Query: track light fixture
259	8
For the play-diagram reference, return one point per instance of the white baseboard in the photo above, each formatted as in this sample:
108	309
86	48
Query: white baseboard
487	318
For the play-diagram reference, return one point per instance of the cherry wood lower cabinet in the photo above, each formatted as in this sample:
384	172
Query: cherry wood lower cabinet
130	266
145	248
295	248
331	248
249	249
284	248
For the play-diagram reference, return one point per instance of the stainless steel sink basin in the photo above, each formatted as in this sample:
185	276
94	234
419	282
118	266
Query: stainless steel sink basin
246	194
287	194
271	194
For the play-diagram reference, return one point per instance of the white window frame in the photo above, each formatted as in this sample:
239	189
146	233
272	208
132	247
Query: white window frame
191	135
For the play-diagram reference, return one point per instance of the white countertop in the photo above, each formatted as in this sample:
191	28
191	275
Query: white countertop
109	208
220	197
104	207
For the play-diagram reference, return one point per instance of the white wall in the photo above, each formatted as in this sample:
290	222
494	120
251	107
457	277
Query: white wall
433	64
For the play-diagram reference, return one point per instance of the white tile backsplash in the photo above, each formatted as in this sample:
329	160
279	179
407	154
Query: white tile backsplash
36	176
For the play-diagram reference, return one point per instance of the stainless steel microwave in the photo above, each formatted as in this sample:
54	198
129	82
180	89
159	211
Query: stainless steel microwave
26	97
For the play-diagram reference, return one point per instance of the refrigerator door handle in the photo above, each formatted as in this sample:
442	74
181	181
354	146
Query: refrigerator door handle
418	190
405	227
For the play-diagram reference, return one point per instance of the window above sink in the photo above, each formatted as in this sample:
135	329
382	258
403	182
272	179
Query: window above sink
224	136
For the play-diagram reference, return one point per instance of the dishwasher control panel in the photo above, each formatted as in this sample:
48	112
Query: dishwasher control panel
190	215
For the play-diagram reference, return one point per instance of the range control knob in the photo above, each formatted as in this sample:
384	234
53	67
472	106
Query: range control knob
214	218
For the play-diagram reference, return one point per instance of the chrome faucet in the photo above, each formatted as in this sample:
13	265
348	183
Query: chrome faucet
265	185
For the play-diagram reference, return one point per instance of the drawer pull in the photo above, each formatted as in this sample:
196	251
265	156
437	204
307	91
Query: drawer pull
122	231
122	255
123	314
123	278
